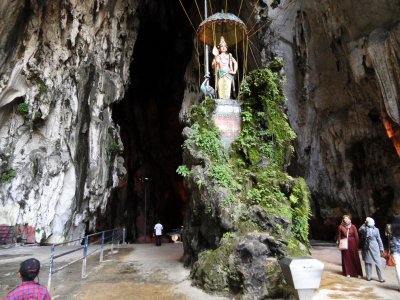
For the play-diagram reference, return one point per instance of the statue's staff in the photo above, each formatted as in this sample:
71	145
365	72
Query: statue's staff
215	52
207	72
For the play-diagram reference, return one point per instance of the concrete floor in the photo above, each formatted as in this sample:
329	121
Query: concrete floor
336	286
143	271
135	271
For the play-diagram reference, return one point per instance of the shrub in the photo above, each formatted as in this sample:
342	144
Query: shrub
183	171
37	115
7	176
23	108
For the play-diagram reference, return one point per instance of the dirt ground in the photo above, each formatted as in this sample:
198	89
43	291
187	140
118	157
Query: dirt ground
144	271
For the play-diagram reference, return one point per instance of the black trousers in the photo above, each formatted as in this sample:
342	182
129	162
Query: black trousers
158	240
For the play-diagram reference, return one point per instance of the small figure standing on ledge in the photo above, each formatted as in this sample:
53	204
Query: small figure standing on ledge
225	66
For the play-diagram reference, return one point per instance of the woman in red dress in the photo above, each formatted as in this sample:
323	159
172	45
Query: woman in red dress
351	264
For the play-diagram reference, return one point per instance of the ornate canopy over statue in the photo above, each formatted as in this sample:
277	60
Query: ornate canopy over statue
222	29
222	24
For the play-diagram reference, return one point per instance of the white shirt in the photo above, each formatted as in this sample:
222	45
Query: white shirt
158	228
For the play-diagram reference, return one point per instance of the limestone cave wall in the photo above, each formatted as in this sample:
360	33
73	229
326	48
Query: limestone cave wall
90	95
342	68
62	64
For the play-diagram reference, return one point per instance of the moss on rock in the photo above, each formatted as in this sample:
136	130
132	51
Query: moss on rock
211	271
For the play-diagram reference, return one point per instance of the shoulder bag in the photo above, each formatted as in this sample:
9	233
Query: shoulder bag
344	243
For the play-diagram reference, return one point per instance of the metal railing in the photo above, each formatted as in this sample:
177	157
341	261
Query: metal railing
103	238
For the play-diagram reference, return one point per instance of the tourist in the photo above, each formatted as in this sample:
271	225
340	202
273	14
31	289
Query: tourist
371	248
28	288
394	242
225	66
351	264
158	228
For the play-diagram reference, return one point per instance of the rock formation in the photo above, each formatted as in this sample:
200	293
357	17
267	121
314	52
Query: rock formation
342	61
62	64
94	96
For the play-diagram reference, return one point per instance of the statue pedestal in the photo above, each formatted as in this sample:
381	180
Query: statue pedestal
227	119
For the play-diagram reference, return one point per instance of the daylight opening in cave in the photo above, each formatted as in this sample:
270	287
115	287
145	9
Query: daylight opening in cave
150	128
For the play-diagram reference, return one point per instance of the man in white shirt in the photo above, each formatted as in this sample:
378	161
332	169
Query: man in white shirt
158	228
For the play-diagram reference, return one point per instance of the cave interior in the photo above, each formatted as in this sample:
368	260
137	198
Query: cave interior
148	118
150	129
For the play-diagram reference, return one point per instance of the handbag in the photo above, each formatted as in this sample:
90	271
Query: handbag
390	261
388	256
344	243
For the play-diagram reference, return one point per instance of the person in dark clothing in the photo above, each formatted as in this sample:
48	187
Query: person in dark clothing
351	264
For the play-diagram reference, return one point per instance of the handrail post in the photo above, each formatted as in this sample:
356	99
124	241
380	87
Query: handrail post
85	252
118	236
102	246
51	268
112	241
123	235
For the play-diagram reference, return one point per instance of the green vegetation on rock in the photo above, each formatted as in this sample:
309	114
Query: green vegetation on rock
183	171
300	205
205	136
114	147
23	108
212	270
265	128
7	176
37	115
42	87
